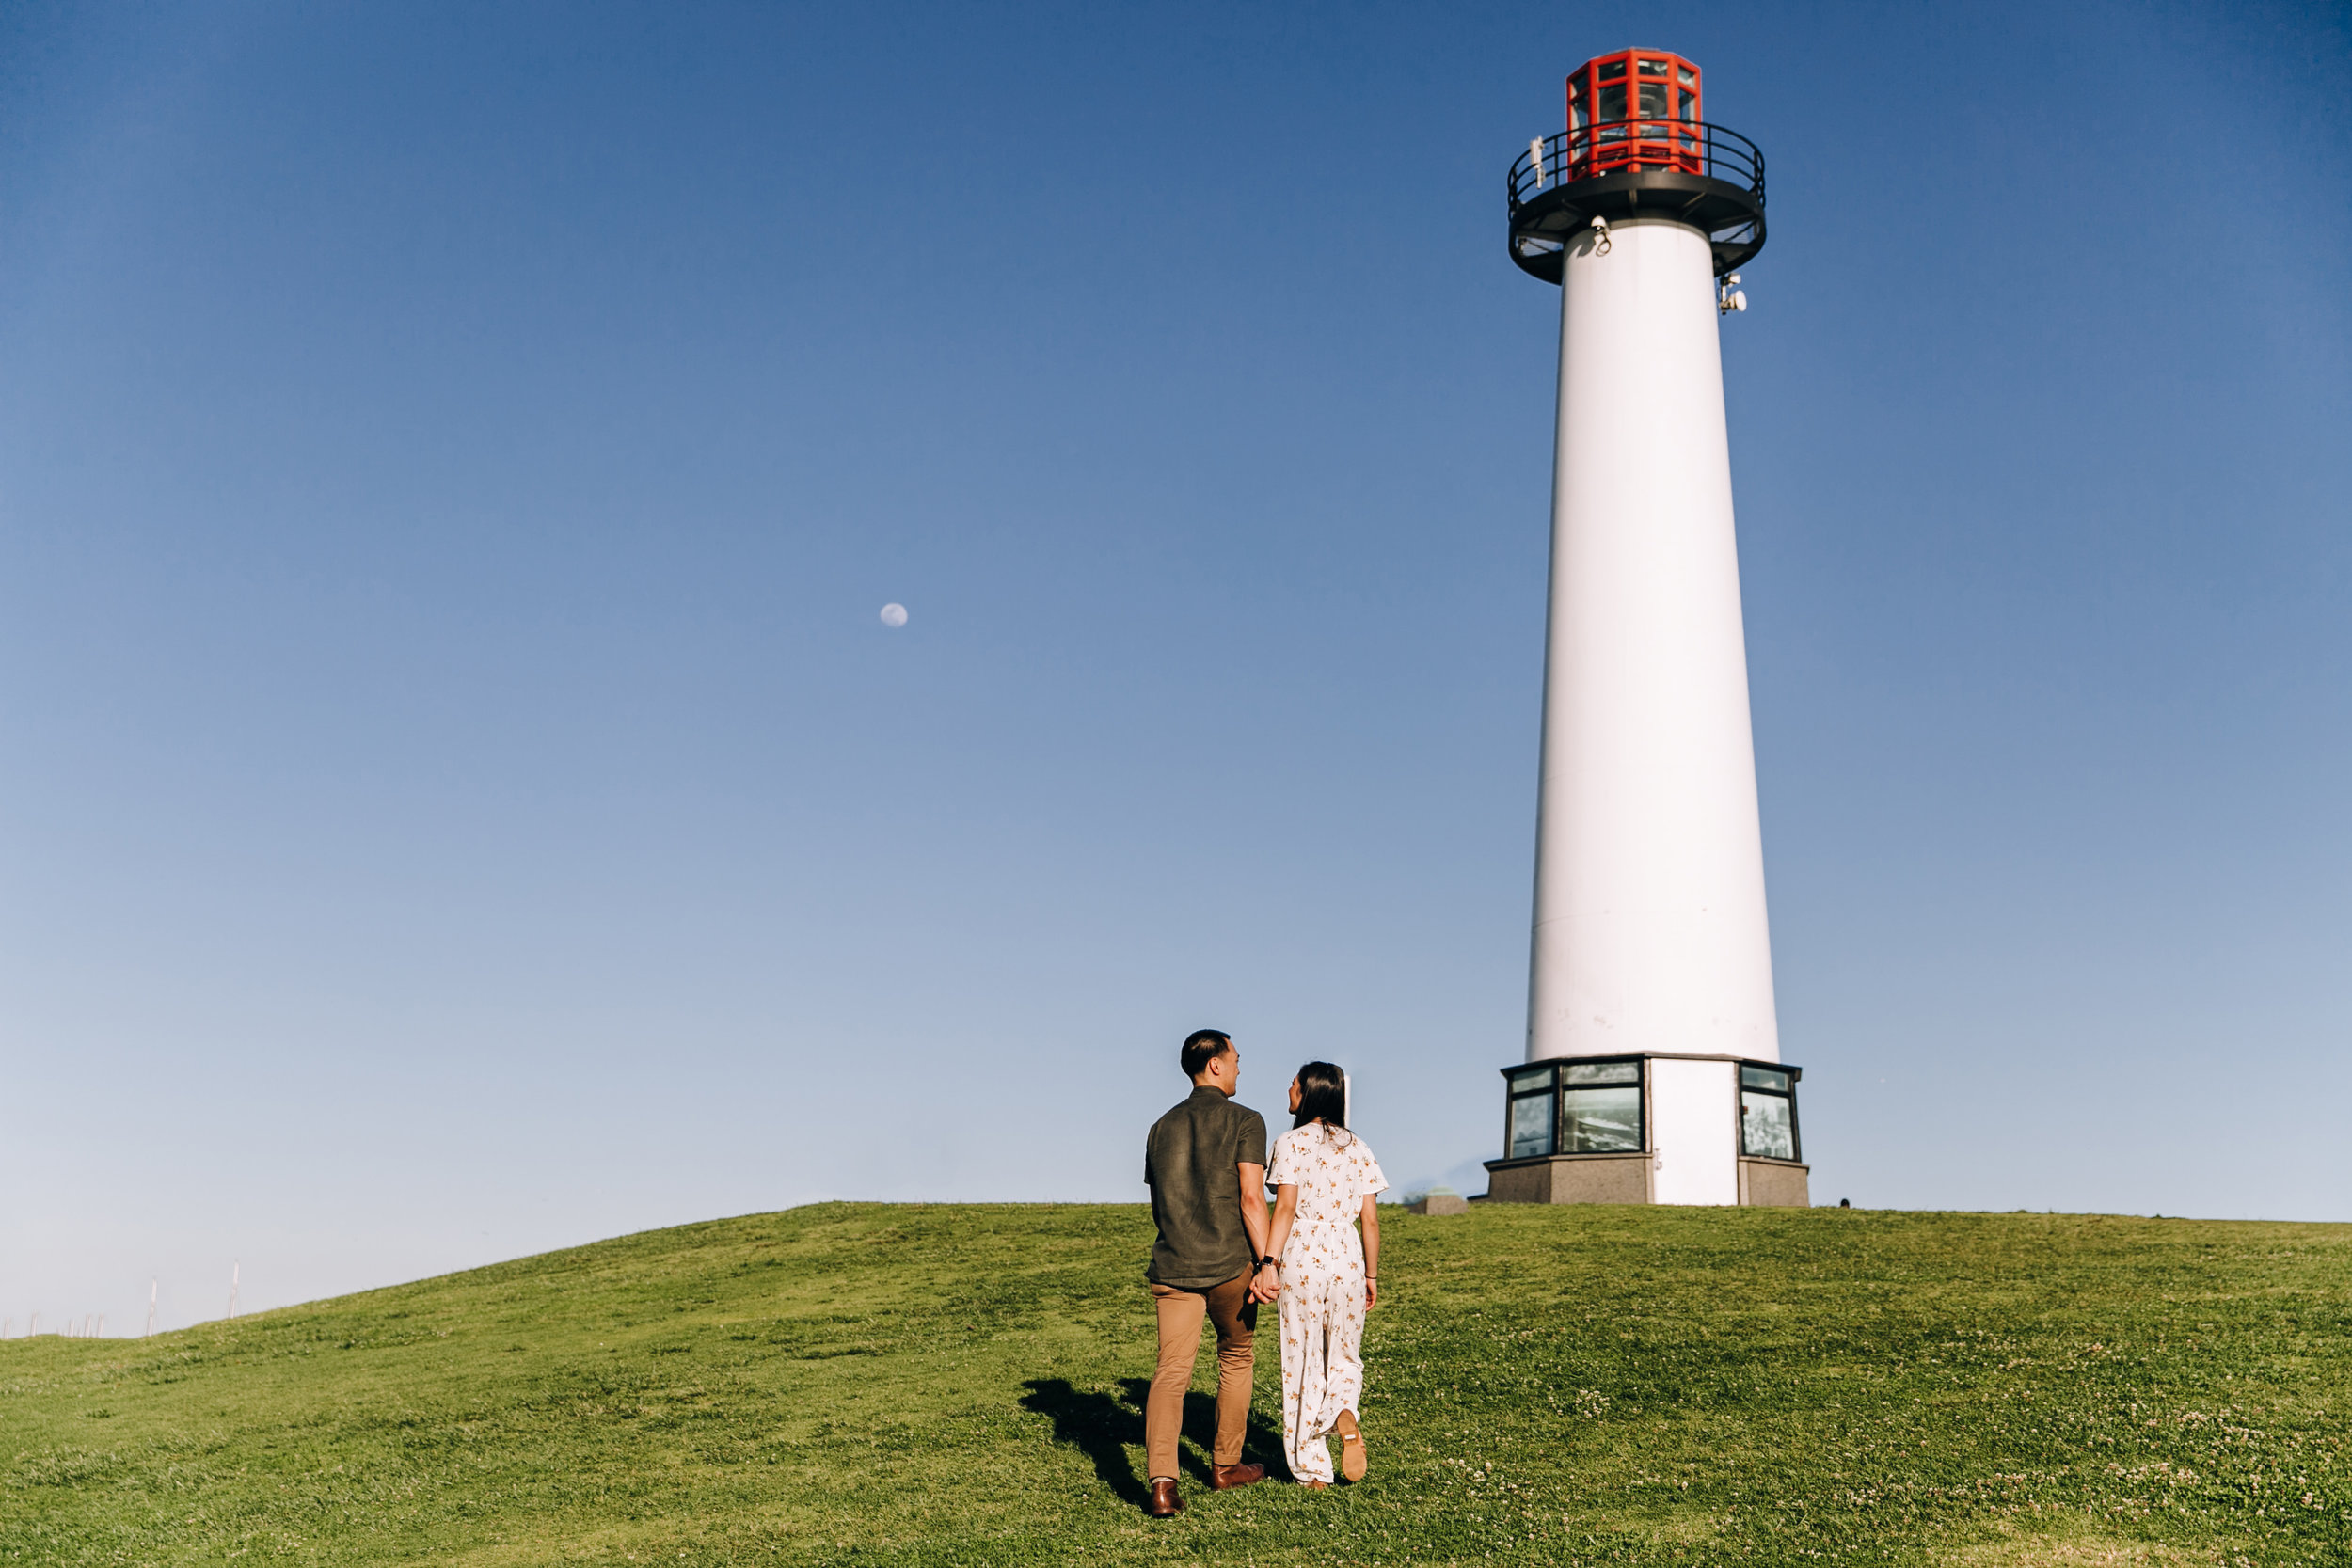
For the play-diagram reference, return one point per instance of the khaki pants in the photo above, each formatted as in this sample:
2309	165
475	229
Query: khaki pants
1229	1306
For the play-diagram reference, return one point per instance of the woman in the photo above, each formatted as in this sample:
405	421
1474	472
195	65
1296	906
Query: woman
1325	1179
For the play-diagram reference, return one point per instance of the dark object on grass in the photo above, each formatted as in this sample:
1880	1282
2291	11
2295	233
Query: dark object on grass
1845	1203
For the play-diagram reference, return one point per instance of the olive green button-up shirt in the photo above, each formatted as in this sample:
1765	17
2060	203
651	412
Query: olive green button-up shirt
1191	1162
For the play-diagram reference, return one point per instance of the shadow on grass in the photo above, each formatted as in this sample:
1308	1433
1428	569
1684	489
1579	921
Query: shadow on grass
1105	1426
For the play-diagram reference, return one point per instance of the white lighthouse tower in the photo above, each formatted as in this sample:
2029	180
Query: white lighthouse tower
1652	1071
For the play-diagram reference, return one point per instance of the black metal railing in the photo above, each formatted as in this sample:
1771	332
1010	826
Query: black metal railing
1627	146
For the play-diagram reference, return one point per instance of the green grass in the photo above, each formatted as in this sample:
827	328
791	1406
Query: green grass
870	1384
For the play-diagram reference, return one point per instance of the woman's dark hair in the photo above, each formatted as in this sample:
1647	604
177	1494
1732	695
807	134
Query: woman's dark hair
1322	1096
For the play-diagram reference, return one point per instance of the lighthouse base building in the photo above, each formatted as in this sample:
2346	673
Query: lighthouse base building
1652	1071
1650	1129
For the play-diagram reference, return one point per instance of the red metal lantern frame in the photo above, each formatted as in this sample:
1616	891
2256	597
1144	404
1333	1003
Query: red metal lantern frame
1634	109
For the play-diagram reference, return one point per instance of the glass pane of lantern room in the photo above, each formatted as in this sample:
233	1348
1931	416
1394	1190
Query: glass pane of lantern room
1653	101
1612	102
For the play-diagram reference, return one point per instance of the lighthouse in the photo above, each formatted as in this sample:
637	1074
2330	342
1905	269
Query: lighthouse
1652	1071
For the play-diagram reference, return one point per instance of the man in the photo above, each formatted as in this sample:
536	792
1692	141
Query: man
1205	1163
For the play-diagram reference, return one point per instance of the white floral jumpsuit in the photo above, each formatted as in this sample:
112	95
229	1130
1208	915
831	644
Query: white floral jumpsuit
1322	1288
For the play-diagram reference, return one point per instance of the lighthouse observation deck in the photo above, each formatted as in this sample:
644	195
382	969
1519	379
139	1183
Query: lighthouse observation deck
1705	176
1636	146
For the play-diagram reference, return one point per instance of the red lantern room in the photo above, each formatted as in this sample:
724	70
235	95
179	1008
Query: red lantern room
1638	109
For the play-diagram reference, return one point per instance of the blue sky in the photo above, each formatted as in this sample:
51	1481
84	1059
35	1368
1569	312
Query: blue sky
458	799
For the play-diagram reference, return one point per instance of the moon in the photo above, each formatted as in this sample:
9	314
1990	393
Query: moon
894	615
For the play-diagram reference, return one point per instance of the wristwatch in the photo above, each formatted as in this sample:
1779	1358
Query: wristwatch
1270	1263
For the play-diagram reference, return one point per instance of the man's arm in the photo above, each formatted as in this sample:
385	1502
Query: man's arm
1266	1283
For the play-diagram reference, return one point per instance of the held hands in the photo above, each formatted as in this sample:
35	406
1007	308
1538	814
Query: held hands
1267	1283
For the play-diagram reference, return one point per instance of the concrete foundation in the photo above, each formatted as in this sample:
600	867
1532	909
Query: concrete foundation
1775	1184
1631	1179
1570	1178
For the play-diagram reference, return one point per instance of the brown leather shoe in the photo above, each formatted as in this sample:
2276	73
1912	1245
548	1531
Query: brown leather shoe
1226	1477
1166	1501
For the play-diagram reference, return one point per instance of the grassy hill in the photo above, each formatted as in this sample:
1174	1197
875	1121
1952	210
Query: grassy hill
867	1384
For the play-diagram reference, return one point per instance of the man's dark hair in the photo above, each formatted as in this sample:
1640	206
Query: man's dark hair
1201	1047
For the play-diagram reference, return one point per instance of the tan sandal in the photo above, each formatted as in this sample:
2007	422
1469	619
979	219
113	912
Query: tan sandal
1352	1463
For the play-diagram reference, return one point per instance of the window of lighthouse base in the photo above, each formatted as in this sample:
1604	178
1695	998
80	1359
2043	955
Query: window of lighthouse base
1600	1108
1576	1107
1768	1113
1531	1113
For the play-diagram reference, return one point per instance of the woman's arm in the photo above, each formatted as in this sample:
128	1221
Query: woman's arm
1285	1213
1371	1219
